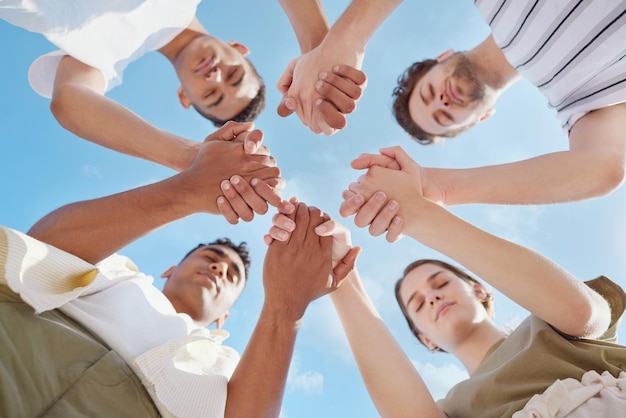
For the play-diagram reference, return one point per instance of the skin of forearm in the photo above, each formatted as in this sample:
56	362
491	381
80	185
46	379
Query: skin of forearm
526	277
257	385
394	385
360	20
74	106
551	178
95	229
308	21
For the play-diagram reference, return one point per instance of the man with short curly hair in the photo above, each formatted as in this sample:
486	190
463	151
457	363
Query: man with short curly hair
98	39
572	52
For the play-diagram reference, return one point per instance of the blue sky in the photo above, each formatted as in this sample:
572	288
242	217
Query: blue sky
44	167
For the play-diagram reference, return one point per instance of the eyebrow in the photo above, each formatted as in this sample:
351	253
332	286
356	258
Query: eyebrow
430	279
217	102
238	82
222	253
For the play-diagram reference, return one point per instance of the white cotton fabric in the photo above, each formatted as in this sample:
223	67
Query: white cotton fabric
105	34
184	367
595	395
573	51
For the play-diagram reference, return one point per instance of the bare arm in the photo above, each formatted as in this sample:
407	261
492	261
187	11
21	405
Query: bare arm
308	21
344	44
594	166
394	385
391	379
79	104
295	273
531	280
94	229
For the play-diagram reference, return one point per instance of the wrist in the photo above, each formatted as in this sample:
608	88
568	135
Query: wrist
281	315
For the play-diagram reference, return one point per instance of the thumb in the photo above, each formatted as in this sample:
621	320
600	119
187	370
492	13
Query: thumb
346	265
286	106
229	131
398	154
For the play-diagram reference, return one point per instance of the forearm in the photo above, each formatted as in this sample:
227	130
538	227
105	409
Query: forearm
524	276
394	385
551	178
257	386
308	21
95	229
101	120
360	20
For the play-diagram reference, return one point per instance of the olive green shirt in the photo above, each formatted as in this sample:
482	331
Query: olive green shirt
532	358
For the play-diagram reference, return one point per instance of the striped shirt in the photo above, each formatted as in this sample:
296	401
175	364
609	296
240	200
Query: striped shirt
574	51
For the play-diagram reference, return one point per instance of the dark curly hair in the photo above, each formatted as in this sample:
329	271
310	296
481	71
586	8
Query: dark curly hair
487	303
241	250
401	94
249	113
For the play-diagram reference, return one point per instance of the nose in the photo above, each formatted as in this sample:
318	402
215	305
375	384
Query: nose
219	269
215	75
444	100
433	297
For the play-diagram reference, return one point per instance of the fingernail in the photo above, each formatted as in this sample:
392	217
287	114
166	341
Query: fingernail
393	205
379	196
235	180
290	225
282	235
323	75
249	146
254	182
336	68
321	228
318	84
397	220
225	185
358	198
319	101
289	104
221	200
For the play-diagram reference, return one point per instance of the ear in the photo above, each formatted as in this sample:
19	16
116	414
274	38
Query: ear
219	322
240	47
427	342
168	272
183	99
445	55
479	291
487	114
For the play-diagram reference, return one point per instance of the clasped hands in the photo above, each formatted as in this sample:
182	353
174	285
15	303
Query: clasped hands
322	87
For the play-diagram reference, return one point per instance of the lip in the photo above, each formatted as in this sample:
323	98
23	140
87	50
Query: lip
442	309
453	94
206	66
211	279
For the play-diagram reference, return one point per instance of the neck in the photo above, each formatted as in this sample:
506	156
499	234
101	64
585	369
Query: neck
472	350
494	67
176	45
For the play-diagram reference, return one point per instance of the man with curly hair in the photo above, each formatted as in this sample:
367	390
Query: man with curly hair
98	39
573	52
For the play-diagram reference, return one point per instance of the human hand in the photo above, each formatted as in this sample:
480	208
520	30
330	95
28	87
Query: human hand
224	154
342	87
379	196
299	270
283	225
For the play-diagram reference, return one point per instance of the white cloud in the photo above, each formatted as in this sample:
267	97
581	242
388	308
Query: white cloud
91	171
440	379
309	382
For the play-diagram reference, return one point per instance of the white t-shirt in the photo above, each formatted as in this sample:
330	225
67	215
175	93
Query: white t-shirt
573	51
105	34
184	367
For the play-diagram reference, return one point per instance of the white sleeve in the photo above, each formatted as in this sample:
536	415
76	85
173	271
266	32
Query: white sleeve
188	377
46	277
